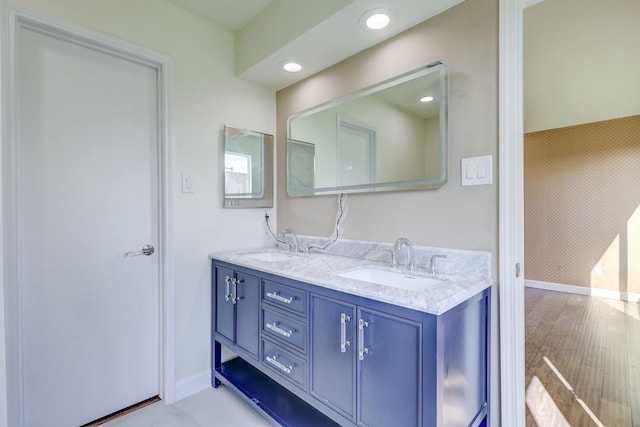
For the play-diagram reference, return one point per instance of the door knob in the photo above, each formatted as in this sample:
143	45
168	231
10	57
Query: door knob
146	250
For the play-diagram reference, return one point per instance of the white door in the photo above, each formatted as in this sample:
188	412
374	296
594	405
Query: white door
87	169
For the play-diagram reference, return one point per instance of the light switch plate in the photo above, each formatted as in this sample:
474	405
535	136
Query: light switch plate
477	170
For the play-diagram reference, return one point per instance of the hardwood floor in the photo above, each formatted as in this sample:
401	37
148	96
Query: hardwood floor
582	360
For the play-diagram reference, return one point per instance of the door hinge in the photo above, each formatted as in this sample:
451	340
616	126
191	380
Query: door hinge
517	269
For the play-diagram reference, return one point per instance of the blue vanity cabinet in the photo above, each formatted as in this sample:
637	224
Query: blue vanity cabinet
366	363
237	309
317	357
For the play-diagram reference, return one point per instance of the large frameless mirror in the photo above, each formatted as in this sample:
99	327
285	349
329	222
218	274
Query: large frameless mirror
389	136
248	169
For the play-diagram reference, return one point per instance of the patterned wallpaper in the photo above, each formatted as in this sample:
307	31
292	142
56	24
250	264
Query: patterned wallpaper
582	205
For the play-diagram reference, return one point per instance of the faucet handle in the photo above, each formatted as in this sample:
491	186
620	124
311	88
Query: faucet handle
432	265
394	259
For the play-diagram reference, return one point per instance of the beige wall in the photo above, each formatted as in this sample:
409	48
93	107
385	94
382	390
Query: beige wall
466	37
206	97
582	205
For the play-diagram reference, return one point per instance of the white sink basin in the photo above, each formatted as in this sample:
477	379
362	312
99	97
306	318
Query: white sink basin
395	279
270	256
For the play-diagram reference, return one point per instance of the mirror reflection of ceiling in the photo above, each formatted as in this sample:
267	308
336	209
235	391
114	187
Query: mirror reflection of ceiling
318	34
407	96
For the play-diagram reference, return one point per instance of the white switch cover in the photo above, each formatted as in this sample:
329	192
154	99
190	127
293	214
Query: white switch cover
187	183
471	171
482	171
477	171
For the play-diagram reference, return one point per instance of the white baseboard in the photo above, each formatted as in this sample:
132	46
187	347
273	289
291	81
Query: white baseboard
581	290
192	385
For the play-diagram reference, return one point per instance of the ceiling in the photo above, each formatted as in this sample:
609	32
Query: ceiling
230	14
317	34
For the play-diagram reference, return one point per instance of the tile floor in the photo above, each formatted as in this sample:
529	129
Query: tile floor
208	408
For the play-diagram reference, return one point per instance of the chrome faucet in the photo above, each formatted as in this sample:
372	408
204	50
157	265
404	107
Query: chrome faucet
432	264
288	234
403	241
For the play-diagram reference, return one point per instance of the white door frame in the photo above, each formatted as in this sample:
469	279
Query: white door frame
17	17
511	234
343	121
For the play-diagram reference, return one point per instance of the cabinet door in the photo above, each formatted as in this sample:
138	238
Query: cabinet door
248	312
333	355
224	323
390	371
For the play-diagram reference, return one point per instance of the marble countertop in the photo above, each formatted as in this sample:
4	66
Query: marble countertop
320	269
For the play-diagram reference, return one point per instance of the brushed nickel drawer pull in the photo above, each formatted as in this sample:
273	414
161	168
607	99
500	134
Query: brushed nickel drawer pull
274	295
274	327
274	361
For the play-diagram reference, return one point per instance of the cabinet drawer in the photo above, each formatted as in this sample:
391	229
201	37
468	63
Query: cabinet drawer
285	363
284	328
285	297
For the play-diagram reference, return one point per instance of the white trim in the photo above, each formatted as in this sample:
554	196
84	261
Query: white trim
583	290
167	260
511	236
17	17
193	385
5	334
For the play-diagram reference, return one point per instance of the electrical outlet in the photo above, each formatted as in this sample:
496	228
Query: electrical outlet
187	183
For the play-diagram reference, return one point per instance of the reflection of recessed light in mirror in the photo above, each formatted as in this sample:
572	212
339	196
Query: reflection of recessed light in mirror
376	19
426	99
291	66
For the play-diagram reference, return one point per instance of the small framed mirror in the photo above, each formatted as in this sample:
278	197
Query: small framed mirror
248	169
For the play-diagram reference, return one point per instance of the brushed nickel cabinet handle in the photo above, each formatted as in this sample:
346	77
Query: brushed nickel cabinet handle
344	343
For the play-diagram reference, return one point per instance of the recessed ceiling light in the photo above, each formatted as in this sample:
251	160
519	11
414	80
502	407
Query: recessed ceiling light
426	99
291	66
376	19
